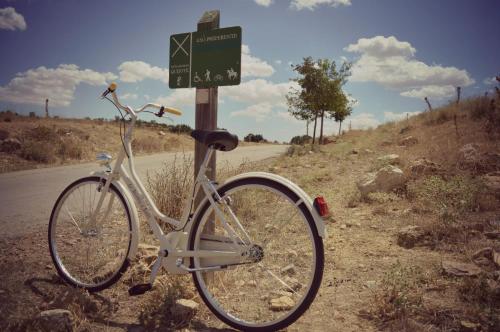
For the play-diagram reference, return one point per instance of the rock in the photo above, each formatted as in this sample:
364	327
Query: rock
289	269
184	309
343	226
466	326
368	151
294	284
354	151
423	166
10	145
484	252
391	159
282	303
409	236
56	320
370	284
386	179
470	158
494	235
496	258
161	133
408	141
458	269
492	183
386	143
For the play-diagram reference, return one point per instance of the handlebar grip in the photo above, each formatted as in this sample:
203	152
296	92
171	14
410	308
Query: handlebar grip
112	87
172	111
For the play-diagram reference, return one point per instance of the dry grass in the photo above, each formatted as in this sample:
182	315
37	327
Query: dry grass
64	141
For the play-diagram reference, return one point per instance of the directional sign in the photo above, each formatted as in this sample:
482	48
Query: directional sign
205	59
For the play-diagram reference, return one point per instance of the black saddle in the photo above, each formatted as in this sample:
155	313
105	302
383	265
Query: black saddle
221	140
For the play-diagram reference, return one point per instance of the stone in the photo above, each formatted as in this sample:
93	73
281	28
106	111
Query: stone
492	183
409	236
466	326
386	179
424	167
484	252
354	151
289	269
343	226
470	158
294	284
184	309
391	159
368	151
281	304
386	143
408	141
10	145
161	133
496	258
494	235
458	269
56	320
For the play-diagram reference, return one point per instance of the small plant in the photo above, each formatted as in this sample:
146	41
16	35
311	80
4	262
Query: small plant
70	149
42	152
42	133
447	198
399	293
4	134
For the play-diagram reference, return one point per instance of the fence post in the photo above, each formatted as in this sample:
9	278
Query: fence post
47	107
428	104
459	89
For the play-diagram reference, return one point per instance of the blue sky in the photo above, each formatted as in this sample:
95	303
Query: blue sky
401	51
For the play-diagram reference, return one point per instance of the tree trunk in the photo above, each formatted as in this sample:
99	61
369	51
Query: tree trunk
314	131
340	127
307	127
321	128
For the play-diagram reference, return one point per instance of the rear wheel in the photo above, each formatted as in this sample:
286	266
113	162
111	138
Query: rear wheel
87	255
275	289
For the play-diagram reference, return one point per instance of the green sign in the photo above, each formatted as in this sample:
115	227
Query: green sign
205	59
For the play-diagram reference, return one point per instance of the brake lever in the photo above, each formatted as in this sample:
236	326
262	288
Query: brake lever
160	112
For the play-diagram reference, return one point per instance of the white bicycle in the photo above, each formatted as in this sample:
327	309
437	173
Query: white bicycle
259	235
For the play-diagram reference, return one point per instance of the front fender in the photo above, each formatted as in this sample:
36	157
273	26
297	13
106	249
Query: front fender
134	217
320	225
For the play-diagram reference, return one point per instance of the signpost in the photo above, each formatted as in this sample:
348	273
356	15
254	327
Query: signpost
205	59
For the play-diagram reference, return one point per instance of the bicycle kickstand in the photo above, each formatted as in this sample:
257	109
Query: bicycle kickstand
140	289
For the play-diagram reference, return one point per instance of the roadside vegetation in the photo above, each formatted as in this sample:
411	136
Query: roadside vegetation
30	142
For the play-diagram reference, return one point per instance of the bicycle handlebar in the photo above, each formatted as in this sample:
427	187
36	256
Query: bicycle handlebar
112	89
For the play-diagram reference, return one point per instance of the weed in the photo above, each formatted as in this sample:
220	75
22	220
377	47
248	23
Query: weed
399	293
39	151
70	149
42	133
447	198
4	134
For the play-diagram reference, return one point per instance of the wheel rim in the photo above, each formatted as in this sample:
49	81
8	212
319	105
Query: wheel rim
270	291
89	255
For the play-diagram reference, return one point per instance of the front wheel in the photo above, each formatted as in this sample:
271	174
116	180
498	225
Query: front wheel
279	285
88	254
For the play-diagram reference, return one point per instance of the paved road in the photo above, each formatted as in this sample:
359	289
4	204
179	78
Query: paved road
27	197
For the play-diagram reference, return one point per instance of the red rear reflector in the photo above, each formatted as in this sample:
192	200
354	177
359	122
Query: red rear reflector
321	206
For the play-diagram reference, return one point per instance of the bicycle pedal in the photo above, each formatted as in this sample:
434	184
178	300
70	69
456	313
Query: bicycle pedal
139	289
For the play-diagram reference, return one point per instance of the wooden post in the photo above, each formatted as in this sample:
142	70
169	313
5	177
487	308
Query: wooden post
47	107
206	106
458	94
206	119
428	104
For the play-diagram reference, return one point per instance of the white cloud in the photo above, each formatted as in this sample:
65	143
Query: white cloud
278	62
490	80
131	96
258	91
361	121
136	71
382	47
265	3
179	98
253	66
391	63
312	4
393	116
431	91
259	112
57	84
11	20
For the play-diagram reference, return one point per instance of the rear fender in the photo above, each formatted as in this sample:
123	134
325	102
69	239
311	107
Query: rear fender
320	225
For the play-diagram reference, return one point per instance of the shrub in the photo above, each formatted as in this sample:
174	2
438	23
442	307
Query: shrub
4	134
38	151
479	107
447	198
147	144
301	140
42	133
70	149
254	138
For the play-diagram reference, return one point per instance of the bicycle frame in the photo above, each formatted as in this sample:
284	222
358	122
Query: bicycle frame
173	245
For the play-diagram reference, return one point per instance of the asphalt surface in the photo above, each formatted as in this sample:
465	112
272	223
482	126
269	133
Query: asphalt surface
27	197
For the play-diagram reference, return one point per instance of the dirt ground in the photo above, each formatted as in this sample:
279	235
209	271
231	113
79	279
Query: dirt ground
362	261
